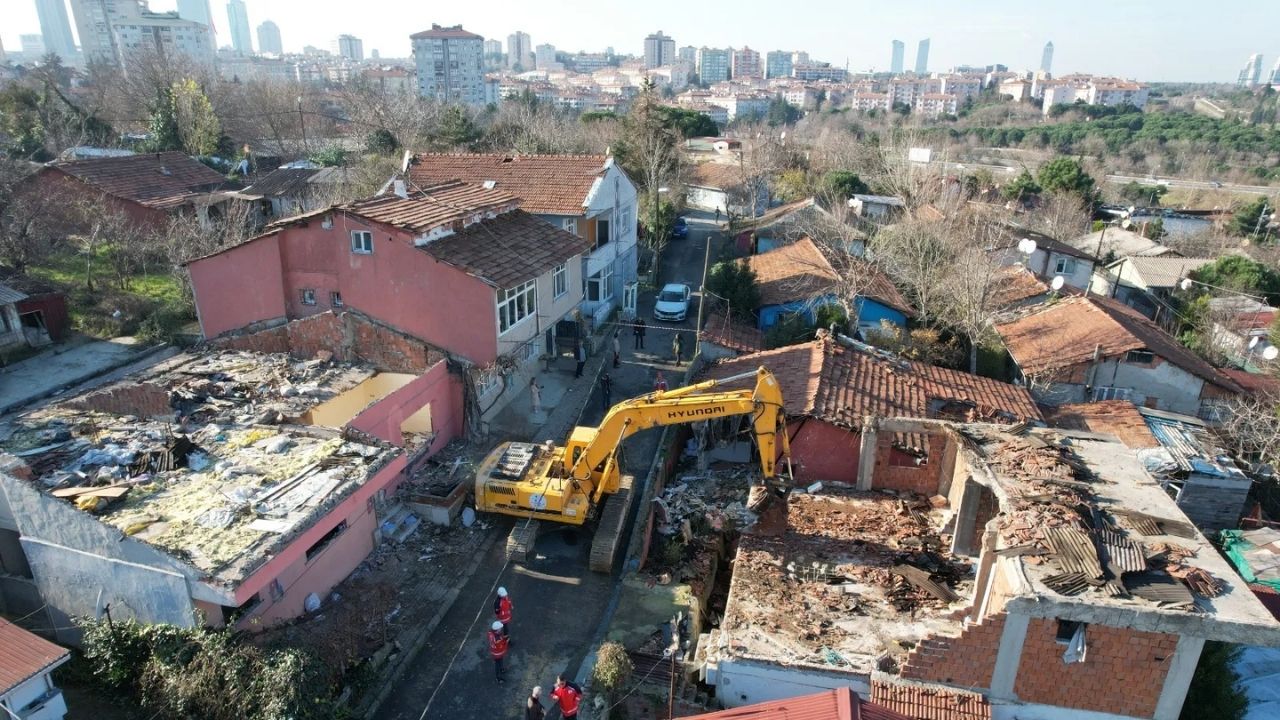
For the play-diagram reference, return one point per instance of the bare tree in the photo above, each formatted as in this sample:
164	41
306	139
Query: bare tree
650	152
917	254
1061	216
105	233
31	220
1252	425
968	293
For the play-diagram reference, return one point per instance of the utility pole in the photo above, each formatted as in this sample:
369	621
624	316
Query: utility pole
302	122
702	298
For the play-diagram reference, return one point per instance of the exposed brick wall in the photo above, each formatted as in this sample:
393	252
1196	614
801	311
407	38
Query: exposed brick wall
141	399
966	660
349	336
1123	672
895	470
988	507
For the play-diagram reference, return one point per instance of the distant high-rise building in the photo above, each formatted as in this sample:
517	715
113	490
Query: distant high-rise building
1046	58
544	57
238	24
1252	71
714	64
896	65
688	55
520	50
349	47
746	64
777	64
33	47
659	50
94	19
269	39
55	28
1275	73
374	54
922	57
166	34
450	64
494	58
197	11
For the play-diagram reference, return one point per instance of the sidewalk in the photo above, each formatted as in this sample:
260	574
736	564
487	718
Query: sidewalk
62	367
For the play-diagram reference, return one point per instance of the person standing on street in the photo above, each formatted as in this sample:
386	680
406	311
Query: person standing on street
677	347
717	214
580	355
638	331
497	649
535	395
533	709
660	382
617	348
606	391
502	611
568	695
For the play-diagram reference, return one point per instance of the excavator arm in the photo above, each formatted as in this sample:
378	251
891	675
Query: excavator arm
692	403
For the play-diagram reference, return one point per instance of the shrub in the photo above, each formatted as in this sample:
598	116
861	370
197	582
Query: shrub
613	668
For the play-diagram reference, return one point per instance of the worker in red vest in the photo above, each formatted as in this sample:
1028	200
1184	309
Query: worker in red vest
568	695
497	648
502	611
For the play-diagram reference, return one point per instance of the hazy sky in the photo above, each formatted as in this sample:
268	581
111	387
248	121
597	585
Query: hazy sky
1157	40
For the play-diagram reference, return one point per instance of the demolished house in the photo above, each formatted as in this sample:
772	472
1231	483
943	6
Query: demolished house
1051	577
220	487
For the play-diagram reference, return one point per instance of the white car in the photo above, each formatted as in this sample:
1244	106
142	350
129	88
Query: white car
673	302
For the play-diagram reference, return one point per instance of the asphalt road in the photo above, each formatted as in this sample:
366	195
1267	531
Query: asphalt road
558	603
1194	184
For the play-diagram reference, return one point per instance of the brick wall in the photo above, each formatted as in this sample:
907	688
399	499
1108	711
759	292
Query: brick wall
140	399
1123	673
896	470
349	336
966	660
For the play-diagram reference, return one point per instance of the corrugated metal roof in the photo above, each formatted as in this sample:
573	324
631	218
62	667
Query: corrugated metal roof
8	295
24	655
1189	443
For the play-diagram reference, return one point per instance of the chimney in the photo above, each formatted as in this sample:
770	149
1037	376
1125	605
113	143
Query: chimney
399	189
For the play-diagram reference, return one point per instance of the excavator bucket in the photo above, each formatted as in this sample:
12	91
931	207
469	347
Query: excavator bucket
770	507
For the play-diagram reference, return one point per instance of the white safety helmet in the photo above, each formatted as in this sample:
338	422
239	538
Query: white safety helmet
497	625
502	592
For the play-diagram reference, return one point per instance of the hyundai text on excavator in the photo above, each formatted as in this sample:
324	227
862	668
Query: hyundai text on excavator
570	484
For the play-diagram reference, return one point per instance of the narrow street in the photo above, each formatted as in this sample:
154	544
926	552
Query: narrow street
558	602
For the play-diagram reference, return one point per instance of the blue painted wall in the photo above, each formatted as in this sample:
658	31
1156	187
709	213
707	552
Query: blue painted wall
869	311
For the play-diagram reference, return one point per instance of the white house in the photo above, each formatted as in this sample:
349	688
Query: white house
26	663
877	208
1048	258
588	195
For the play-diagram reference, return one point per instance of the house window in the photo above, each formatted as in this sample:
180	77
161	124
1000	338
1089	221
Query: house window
600	285
625	222
515	305
308	296
1140	357
602	232
1066	631
1065	266
1112	393
560	280
362	242
570	225
318	546
335	299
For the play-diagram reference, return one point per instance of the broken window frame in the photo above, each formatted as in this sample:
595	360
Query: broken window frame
603	285
516	305
308	296
1139	357
318	547
1065	266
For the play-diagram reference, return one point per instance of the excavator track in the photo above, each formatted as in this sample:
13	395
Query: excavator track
521	541
604	546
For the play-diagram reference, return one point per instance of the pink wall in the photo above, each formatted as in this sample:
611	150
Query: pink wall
822	451
239	287
436	386
319	575
397	284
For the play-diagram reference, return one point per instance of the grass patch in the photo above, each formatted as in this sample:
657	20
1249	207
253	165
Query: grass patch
153	303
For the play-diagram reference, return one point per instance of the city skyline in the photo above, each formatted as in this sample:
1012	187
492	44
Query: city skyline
1009	33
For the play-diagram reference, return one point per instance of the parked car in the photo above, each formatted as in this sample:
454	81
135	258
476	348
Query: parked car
680	230
673	302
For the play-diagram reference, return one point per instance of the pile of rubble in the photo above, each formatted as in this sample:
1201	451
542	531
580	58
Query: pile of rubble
441	473
1053	518
715	499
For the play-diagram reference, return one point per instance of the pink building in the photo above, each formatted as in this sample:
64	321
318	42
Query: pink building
457	266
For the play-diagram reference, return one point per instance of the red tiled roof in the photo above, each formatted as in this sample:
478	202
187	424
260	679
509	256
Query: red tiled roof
732	333
1015	284
800	271
1066	333
454	32
1255	384
841	385
545	184
433	206
720	176
509	249
1113	417
837	704
1269	598
157	180
24	655
930	703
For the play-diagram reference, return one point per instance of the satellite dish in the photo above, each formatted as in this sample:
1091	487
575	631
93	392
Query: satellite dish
1058	282
1270	353
1027	246
1185	284
1253	342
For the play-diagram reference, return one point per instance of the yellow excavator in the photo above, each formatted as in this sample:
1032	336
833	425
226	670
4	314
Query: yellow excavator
570	484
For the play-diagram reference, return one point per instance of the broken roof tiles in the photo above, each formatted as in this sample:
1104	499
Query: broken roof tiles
157	180
545	184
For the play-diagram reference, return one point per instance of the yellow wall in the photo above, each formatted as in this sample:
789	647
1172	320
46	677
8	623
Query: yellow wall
338	411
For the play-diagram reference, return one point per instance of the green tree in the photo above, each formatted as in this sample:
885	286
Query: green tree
1140	194
1251	218
1213	694
1240	274
162	125
381	141
689	123
793	185
20	125
612	670
1064	174
1022	188
1154	229
782	112
456	129
842	185
735	283
790	329
198	126
329	156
